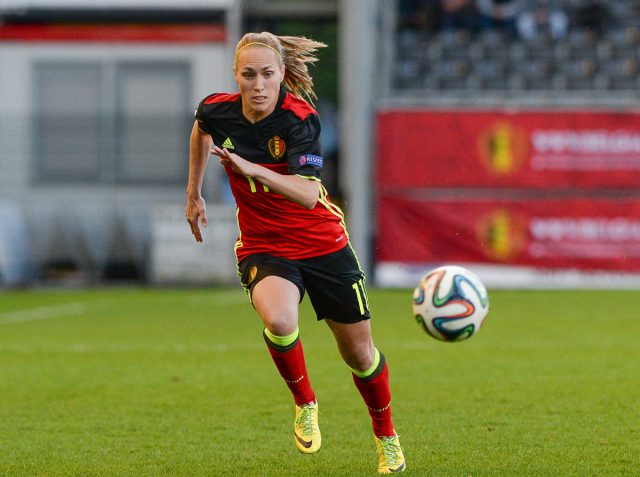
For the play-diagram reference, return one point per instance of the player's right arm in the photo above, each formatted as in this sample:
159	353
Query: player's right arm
199	149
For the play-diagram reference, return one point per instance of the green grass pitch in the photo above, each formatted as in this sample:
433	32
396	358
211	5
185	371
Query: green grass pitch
137	382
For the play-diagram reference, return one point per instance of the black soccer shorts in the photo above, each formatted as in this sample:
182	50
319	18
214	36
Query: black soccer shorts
335	282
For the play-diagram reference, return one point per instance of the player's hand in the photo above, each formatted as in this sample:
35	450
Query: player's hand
235	162
196	213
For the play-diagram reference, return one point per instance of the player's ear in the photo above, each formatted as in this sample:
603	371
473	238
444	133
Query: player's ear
235	74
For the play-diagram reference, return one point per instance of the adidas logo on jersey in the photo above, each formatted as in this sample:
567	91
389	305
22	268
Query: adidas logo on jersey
227	144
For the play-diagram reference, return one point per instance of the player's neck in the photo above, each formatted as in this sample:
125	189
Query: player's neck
253	116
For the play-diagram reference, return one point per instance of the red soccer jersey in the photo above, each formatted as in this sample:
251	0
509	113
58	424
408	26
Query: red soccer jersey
288	142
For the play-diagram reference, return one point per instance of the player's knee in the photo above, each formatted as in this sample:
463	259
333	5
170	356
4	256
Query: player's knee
359	360
280	324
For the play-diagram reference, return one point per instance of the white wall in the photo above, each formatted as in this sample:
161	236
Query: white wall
81	219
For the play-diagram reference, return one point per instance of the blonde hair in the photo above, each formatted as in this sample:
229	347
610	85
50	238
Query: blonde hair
294	52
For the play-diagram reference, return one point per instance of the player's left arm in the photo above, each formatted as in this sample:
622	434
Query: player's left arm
301	190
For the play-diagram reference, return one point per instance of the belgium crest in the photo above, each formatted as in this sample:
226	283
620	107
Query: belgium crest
252	274
276	147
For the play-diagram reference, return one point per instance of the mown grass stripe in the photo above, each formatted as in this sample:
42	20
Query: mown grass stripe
43	313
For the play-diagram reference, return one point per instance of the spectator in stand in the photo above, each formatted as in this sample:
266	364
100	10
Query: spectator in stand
499	14
417	15
542	19
456	15
592	15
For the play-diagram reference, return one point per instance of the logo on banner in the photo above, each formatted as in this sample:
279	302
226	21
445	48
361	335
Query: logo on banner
276	147
591	150
503	148
502	234
605	238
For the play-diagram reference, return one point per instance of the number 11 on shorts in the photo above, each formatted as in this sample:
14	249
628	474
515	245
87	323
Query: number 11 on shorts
361	293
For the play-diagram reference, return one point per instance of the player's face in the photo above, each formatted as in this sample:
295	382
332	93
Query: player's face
258	73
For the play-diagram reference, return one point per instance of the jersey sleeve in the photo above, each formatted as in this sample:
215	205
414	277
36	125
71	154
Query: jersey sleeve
200	115
305	149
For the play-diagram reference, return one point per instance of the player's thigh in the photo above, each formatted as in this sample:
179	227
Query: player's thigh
276	288
354	343
276	302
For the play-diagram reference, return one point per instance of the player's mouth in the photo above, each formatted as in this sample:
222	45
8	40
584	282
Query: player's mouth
259	99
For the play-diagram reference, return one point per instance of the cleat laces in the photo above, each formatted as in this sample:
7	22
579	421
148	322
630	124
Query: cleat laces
304	421
392	450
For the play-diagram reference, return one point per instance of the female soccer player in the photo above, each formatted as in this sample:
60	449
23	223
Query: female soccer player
292	238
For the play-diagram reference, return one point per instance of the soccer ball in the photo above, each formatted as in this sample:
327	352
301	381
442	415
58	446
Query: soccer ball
451	303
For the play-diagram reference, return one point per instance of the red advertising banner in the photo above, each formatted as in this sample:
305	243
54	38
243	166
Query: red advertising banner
526	149
593	234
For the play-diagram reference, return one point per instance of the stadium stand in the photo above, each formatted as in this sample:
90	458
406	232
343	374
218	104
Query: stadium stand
599	52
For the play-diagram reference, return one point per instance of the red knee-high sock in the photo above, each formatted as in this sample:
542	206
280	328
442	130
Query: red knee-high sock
377	396
290	363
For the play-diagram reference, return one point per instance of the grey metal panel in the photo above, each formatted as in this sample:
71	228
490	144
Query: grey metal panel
67	121
153	120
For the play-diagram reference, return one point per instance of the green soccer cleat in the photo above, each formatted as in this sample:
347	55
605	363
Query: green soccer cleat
390	457
305	428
